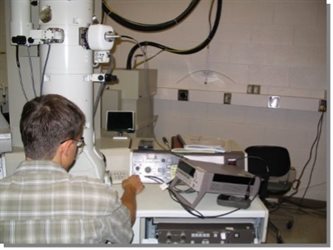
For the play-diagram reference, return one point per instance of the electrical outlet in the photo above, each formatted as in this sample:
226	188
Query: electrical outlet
322	105
256	89
253	89
227	98
183	95
249	89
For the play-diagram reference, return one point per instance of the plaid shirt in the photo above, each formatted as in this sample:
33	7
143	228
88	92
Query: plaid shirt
41	203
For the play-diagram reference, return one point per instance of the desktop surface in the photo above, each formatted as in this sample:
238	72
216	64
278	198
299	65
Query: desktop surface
156	204
153	201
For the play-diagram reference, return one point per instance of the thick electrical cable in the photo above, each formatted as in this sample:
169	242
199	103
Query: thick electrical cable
150	27
319	128
148	59
177	51
139	46
196	212
314	145
98	98
102	87
31	72
209	17
18	64
44	69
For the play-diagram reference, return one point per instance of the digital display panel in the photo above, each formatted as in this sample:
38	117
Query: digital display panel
186	168
233	179
120	121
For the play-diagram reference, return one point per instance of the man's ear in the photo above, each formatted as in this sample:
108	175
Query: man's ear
65	147
62	152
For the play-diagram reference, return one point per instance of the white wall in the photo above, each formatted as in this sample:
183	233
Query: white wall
277	44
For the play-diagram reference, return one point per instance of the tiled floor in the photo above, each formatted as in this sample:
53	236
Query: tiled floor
309	227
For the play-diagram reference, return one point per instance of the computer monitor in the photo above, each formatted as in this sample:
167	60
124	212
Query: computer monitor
120	121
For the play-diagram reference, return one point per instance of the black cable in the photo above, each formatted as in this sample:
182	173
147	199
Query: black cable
177	51
195	212
148	59
198	214
18	64
189	209
31	72
319	128
155	179
44	69
150	27
102	86
314	145
209	17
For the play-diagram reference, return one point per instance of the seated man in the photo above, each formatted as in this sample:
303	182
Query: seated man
42	203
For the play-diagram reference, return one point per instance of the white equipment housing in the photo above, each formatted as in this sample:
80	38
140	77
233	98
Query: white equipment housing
67	27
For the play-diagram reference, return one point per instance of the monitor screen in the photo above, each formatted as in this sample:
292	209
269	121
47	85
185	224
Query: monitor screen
120	121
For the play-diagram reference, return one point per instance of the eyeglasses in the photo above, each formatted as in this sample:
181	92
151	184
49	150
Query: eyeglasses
79	144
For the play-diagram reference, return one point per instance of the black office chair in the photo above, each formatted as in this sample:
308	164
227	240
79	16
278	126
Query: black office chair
272	164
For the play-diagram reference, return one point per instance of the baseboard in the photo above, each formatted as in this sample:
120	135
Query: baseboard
311	203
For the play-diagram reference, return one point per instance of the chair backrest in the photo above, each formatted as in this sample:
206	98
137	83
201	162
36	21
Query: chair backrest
266	161
275	158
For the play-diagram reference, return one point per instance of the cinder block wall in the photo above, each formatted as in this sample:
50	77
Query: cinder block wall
277	44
